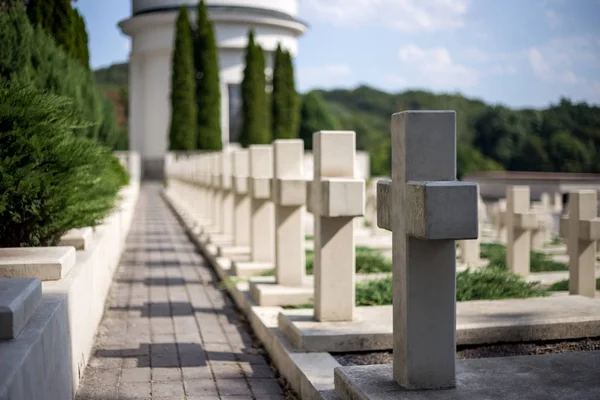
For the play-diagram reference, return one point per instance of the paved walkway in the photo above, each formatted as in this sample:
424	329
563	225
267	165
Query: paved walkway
168	332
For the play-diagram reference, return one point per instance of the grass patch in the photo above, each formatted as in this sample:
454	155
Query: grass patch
564	285
308	237
539	262
493	283
483	284
368	261
556	241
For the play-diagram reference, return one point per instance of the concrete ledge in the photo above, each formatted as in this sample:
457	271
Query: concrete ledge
551	376
241	253
78	238
19	299
478	322
44	263
247	269
48	358
266	292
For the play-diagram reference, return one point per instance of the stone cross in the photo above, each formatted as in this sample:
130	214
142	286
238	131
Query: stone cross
216	198
227	197
470	249
542	234
582	230
241	214
289	195
520	222
262	236
499	220
337	197
426	209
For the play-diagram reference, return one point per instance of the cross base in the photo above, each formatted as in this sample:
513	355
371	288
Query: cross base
492	378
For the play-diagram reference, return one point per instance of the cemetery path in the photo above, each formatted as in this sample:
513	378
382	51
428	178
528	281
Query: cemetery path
168	332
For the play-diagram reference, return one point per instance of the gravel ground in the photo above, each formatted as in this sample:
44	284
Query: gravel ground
488	351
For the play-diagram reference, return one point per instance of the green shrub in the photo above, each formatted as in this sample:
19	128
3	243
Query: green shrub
374	293
368	261
51	180
539	262
494	283
564	285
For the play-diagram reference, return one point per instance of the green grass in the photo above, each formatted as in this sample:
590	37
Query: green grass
564	285
539	262
556	241
368	261
488	283
308	237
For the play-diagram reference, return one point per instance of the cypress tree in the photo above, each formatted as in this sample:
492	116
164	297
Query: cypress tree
255	128
182	133
284	106
40	13
278	101
208	93
62	26
292	96
81	39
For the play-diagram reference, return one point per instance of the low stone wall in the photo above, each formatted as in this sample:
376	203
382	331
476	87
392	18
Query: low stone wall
48	358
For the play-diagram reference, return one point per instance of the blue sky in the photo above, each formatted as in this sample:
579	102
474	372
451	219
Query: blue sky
521	53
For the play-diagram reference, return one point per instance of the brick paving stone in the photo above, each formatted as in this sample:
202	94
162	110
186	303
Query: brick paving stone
169	332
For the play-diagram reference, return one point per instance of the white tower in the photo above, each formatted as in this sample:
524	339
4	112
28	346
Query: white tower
151	28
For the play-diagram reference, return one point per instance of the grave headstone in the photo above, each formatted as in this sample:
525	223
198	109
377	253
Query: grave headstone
427	210
337	197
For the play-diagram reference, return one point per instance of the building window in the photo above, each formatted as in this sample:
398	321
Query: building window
235	112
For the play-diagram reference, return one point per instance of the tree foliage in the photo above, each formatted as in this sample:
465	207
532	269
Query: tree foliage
183	129
30	56
208	94
314	117
51	180
255	112
284	108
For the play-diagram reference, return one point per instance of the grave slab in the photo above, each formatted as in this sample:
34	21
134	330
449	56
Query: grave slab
78	238
19	299
234	252
266	292
478	322
250	268
44	263
551	376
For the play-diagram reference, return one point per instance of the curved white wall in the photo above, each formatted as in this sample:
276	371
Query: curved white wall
150	62
289	7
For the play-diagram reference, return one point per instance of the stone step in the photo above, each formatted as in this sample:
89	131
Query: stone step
19	298
44	263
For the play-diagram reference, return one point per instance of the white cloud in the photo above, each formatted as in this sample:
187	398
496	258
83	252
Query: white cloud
323	76
556	60
552	18
401	15
434	68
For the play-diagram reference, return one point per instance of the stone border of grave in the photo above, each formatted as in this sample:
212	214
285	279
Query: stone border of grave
57	341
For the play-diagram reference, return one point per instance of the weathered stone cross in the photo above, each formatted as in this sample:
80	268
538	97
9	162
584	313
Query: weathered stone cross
427	210
582	230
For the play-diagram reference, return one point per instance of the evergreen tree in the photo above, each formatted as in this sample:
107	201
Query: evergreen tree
81	40
279	112
208	94
182	133
292	95
284	106
40	13
314	117
255	128
63	26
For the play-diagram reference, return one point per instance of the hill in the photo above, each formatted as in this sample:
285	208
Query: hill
564	137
